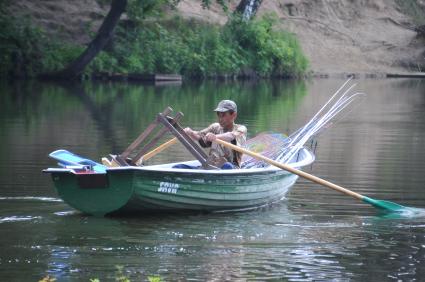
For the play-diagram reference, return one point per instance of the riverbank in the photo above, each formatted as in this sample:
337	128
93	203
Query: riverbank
174	79
370	39
376	75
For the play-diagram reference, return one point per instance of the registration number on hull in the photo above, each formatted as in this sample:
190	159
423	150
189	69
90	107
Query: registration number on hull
168	187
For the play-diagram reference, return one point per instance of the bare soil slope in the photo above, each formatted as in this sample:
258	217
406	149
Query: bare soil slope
343	36
363	36
69	20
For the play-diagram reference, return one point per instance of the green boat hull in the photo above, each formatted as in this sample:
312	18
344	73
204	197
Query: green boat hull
95	194
209	192
134	190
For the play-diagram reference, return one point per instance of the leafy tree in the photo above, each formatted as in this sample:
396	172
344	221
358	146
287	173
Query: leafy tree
135	9
102	37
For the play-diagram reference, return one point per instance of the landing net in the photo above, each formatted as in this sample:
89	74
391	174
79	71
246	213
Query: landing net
267	144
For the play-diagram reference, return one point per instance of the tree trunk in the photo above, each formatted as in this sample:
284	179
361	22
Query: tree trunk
75	68
248	8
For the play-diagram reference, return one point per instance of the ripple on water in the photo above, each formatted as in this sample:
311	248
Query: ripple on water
66	213
30	198
18	218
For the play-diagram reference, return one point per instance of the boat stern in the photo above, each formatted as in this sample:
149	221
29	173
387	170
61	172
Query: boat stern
93	193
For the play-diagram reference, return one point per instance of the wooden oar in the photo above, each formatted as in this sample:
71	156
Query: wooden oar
156	151
113	163
380	204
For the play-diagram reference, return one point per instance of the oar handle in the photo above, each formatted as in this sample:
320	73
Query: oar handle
292	170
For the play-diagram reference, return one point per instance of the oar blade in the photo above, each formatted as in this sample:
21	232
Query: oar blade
385	205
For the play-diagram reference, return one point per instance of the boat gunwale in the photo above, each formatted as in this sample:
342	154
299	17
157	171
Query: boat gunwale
307	160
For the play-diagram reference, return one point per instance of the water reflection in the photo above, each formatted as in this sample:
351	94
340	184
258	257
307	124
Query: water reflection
96	119
377	150
246	246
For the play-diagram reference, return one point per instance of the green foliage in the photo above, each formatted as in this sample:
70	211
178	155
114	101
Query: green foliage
154	279
57	56
207	3
186	47
268	51
138	10
20	46
104	62
197	49
26	51
47	279
120	276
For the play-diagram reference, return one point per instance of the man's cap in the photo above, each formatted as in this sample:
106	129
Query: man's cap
226	105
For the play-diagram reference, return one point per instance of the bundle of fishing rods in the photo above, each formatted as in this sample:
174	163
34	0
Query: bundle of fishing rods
326	116
285	149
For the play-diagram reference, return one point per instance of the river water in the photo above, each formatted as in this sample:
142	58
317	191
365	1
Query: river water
314	234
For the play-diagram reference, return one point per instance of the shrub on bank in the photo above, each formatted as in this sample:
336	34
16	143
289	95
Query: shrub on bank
26	51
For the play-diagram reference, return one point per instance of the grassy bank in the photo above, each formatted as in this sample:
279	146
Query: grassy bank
178	46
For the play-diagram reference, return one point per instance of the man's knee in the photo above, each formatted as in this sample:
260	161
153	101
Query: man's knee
228	165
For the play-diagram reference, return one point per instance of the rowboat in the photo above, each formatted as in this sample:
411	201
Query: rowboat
123	184
99	190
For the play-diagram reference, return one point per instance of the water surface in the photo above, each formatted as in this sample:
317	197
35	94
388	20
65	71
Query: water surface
313	234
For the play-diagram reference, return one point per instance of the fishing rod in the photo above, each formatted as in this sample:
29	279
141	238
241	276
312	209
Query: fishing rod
317	124
324	106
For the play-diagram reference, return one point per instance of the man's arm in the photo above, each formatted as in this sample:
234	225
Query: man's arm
192	133
198	136
239	135
228	137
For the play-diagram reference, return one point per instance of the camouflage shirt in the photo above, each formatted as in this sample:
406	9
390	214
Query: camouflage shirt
219	154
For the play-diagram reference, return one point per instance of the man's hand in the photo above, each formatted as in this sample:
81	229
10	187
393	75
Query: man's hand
210	137
188	130
192	134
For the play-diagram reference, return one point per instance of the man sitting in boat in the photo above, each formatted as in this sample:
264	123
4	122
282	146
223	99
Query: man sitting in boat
225	129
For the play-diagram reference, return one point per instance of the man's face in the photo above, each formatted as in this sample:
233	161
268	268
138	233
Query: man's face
226	119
